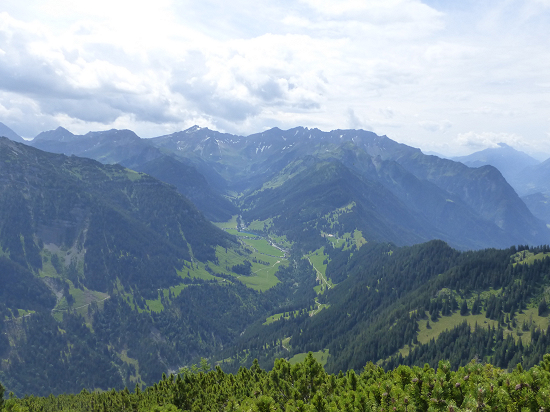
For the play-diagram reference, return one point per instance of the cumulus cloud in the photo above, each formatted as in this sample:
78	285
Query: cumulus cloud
390	65
485	140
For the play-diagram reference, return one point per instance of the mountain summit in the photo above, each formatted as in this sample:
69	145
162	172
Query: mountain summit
10	134
506	159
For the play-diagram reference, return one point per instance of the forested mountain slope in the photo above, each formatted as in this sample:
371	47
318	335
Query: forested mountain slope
128	149
109	276
387	303
110	264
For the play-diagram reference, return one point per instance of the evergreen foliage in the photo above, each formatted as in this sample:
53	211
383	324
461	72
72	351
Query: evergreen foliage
307	387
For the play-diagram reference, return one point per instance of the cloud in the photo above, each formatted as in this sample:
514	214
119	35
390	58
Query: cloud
353	121
485	140
432	126
393	65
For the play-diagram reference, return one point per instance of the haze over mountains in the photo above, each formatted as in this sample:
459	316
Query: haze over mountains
431	198
509	161
529	177
436	198
10	134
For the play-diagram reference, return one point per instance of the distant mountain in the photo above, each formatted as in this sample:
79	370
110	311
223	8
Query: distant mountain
58	135
128	149
485	209
189	182
533	184
539	204
483	189
110	146
10	134
469	207
533	179
506	159
529	177
327	197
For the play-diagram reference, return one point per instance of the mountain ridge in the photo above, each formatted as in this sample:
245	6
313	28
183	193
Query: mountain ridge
10	134
239	165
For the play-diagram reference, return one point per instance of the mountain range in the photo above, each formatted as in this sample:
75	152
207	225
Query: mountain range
435	198
344	243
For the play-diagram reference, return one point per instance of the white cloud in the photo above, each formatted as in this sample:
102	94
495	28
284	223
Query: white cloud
435	126
396	66
485	140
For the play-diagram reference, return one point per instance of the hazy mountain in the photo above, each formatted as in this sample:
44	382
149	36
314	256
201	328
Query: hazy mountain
529	177
506	159
461	199
110	146
328	197
128	149
189	182
533	179
58	135
539	204
10	134
446	214
469	207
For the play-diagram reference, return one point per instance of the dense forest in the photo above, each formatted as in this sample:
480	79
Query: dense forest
307	387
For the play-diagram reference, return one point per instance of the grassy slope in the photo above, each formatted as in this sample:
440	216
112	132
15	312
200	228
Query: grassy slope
529	316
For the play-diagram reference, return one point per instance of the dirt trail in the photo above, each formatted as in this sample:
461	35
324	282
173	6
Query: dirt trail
319	274
79	307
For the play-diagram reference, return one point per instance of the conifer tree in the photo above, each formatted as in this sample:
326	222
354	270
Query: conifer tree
464	308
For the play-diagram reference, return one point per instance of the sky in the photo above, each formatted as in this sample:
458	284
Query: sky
451	77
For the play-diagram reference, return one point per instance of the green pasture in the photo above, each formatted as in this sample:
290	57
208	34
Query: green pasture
230	224
260	225
347	240
530	316
278	316
263	246
528	258
317	259
320	356
240	234
263	277
82	298
281	241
